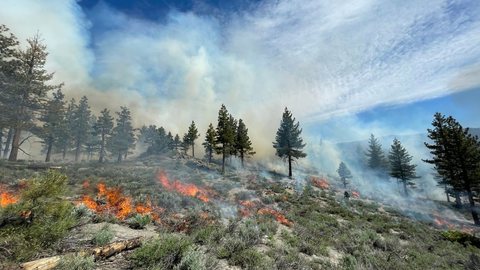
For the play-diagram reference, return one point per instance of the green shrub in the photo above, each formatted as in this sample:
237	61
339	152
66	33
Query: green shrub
139	221
76	262
249	259
50	216
164	252
461	237
103	236
196	259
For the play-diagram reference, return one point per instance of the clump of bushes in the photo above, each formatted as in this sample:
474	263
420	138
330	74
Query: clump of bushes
76	262
164	252
461	237
139	221
103	236
43	217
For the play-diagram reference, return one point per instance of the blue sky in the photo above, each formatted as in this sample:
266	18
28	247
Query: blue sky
345	68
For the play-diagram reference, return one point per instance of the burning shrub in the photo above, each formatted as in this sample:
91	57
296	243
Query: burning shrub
321	183
164	252
38	220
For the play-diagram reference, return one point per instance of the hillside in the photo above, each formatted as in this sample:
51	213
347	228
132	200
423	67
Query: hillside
188	216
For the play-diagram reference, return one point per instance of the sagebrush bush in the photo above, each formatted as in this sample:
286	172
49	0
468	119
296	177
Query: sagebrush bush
76	262
103	236
48	218
139	221
164	252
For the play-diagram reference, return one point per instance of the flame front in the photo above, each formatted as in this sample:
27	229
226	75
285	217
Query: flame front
320	182
7	199
190	190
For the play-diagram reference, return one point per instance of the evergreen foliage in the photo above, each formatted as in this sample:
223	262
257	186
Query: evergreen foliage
344	173
375	156
225	138
400	165
103	127
243	145
288	143
52	117
81	125
123	137
192	135
209	143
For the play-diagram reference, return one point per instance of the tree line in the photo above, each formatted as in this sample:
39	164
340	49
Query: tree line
455	155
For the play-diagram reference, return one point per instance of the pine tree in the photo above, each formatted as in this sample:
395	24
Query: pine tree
209	143
344	173
186	143
243	145
170	141
93	141
29	90
456	157
52	118
66	129
192	136
288	143
400	165
81	125
103	127
225	139
376	158
123	137
176	143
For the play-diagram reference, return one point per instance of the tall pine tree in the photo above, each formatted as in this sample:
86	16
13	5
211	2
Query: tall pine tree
52	118
225	139
375	156
288	143
243	145
209	143
81	126
123	137
192	136
344	173
104	127
400	165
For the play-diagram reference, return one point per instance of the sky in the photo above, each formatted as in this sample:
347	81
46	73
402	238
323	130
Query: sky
344	68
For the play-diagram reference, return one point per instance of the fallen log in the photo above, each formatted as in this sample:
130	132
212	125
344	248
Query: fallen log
98	254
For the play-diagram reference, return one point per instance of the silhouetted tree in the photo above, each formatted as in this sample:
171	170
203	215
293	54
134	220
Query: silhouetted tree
103	127
375	157
81	125
344	173
192	136
400	165
177	143
243	145
209	143
52	118
288	143
123	137
225	139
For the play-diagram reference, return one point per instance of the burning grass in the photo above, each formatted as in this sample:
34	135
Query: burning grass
111	200
321	183
190	190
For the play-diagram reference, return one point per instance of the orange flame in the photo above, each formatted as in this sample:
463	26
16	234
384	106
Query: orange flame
7	198
279	217
185	189
320	182
355	194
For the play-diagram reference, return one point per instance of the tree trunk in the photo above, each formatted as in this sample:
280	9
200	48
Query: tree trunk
405	190
1	139
290	166
446	193
476	220
102	149
193	150
223	161
210	156
49	151
119	158
458	199
6	151
15	145
77	151
125	156
64	152
241	158
344	182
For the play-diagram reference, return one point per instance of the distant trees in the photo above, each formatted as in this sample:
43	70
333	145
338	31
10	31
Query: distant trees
243	145
52	118
456	157
209	143
400	165
103	127
123	137
375	156
344	173
192	136
288	143
80	126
